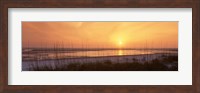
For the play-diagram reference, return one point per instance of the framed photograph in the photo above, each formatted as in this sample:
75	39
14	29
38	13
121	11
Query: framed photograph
123	46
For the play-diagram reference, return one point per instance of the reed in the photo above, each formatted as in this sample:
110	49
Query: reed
62	62
108	65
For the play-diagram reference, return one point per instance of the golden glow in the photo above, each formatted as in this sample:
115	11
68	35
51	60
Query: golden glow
101	34
120	52
120	43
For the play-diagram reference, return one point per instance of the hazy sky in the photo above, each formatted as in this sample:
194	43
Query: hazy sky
101	34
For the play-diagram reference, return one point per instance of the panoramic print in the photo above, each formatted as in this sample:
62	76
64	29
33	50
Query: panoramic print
99	46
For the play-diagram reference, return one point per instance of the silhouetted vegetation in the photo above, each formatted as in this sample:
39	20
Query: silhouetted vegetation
166	63
58	61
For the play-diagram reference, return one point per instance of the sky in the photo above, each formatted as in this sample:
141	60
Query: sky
100	34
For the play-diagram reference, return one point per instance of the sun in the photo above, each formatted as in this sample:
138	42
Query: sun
120	43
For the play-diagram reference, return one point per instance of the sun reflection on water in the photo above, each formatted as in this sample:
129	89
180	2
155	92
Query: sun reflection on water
120	52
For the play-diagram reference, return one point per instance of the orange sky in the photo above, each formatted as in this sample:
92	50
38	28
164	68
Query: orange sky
101	34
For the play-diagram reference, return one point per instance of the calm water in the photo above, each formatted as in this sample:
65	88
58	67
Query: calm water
40	54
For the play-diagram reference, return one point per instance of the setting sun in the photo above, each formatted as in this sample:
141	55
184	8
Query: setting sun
97	34
120	42
100	46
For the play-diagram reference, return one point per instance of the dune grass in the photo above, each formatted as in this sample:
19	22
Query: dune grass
161	64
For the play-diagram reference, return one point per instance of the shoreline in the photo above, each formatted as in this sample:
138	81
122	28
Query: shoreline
84	57
142	58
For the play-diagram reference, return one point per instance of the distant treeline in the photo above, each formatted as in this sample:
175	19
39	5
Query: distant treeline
96	49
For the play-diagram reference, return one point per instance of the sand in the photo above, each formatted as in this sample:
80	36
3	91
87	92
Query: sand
26	65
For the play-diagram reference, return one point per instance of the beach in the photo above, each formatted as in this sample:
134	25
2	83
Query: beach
141	58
